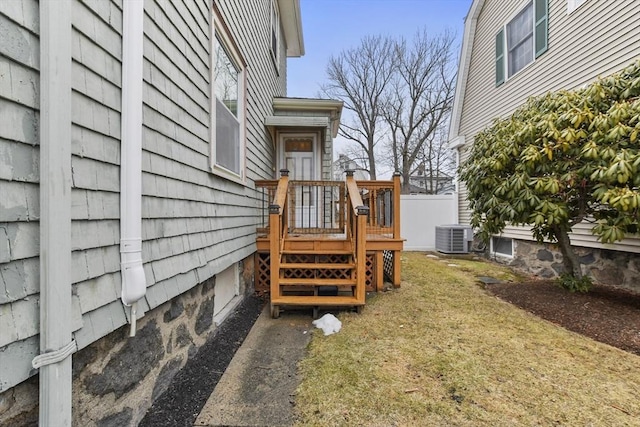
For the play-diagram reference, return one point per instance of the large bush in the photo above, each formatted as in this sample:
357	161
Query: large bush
560	159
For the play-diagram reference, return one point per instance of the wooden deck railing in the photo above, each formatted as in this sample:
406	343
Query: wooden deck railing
266	194
316	207
383	200
320	207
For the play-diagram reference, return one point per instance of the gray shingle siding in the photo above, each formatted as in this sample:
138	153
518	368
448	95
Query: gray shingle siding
18	279
195	224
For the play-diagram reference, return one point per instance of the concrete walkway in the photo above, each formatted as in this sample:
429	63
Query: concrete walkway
257	389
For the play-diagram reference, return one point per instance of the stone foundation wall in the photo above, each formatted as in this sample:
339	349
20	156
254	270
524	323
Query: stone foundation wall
117	378
606	267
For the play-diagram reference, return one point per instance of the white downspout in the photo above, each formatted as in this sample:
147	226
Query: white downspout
456	191
134	285
56	344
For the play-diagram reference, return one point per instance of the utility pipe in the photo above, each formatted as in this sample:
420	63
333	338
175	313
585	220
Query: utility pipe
134	285
56	344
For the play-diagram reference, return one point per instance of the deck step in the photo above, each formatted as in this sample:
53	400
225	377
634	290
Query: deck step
317	265
315	300
317	252
317	282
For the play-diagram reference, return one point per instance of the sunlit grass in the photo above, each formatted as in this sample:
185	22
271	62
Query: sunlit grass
440	351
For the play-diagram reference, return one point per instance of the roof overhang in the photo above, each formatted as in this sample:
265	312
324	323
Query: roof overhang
296	121
291	21
328	112
463	70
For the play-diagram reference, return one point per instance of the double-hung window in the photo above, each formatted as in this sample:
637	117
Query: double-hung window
523	39
275	33
228	107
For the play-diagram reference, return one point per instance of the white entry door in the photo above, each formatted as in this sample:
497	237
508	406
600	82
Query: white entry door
299	157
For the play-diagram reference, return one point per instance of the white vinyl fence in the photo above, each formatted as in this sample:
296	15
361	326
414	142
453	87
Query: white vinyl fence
419	215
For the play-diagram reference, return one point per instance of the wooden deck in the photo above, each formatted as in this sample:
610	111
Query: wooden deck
340	255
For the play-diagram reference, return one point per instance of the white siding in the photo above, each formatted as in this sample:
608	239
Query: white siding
597	39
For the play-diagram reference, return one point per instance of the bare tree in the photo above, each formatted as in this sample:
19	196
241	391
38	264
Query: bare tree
399	94
435	164
360	77
419	101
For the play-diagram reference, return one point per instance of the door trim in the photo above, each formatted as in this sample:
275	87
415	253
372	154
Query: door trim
317	154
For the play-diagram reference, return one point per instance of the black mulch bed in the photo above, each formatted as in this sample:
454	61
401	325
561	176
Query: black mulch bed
189	390
607	314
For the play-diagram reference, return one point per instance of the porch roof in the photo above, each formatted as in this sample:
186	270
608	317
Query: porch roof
306	112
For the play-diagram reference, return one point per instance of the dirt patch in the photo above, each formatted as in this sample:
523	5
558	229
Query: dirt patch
606	314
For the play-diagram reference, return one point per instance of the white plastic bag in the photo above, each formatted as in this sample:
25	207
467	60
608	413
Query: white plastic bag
328	323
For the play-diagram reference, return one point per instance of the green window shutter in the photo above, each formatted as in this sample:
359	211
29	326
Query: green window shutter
542	26
500	58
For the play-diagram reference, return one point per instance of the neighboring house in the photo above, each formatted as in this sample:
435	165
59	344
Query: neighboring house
343	164
132	136
512	50
420	183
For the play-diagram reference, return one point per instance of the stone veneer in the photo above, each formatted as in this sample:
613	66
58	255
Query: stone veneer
117	378
607	267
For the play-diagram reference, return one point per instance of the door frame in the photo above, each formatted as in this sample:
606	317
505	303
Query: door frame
317	151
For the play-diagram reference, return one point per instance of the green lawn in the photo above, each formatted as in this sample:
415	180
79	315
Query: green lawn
441	351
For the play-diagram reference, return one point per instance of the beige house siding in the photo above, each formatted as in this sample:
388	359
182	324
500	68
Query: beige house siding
464	213
597	39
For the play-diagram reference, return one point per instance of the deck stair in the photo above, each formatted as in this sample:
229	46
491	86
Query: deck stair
320	246
316	273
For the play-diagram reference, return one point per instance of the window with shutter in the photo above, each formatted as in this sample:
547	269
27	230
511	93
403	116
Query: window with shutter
275	33
500	58
542	28
523	39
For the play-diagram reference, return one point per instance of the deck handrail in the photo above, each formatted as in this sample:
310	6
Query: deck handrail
281	191
357	232
278	228
354	194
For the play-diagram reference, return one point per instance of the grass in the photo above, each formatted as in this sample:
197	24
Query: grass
440	351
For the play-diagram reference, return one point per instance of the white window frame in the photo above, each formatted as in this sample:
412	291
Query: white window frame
501	254
574	4
227	286
220	33
274	31
507	50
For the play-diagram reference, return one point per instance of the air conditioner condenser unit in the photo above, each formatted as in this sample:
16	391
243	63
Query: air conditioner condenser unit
453	238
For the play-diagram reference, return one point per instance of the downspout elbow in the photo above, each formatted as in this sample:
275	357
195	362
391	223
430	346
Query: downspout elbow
134	284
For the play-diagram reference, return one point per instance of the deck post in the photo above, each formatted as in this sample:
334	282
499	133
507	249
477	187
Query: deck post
285	207
396	204
274	250
396	227
379	271
361	253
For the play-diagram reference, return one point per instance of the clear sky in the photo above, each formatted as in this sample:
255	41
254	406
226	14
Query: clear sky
331	26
